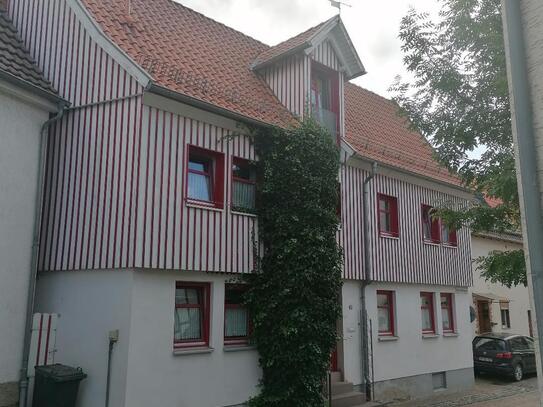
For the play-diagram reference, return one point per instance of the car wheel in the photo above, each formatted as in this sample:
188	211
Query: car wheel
518	373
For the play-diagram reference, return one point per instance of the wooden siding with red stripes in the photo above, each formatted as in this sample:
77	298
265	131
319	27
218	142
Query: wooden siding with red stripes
406	259
172	234
324	54
289	80
80	70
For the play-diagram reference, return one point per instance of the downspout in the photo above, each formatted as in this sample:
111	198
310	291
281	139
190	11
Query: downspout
23	380
526	159
366	382
63	108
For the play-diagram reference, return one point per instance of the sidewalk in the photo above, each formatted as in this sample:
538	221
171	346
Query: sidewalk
524	400
488	392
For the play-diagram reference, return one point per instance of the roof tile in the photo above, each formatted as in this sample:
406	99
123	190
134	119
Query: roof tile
15	59
189	53
375	129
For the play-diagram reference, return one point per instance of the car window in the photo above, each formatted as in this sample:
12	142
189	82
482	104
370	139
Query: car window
518	344
486	344
530	343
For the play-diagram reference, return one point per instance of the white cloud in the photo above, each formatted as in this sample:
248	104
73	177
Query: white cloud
372	25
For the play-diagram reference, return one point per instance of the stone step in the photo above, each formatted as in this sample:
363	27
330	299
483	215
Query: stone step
335	377
350	399
341	388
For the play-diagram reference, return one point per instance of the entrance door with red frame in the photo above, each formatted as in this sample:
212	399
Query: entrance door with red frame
483	316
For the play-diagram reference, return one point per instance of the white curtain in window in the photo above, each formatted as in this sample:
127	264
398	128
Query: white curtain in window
426	320
187	324
384	321
199	187
243	195
236	322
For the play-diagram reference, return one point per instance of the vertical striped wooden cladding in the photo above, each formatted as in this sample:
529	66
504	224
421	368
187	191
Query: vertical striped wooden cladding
406	259
115	180
290	78
119	203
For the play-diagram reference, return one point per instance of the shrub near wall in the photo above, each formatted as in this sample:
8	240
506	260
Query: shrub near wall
293	295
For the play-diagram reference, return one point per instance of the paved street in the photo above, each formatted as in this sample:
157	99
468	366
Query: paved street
489	391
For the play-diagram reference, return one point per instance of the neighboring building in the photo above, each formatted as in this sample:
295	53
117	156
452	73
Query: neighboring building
496	307
147	213
523	33
26	101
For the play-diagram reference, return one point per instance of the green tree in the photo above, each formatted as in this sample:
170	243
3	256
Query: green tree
293	294
457	97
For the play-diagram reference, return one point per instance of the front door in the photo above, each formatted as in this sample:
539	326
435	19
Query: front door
483	316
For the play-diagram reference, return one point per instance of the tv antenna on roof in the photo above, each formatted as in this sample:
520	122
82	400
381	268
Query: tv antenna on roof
338	4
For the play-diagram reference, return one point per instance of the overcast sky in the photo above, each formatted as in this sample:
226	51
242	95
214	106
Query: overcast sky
372	24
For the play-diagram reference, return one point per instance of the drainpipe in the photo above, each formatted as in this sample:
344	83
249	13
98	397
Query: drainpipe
23	380
366	381
63	108
526	159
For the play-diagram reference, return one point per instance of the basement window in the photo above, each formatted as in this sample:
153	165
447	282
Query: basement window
439	381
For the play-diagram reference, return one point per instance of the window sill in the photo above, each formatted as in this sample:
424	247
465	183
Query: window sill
450	246
385	236
430	336
241	213
192	351
430	243
388	338
202	205
450	334
238	348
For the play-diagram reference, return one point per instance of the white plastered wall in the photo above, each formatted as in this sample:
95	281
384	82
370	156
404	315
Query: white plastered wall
20	123
217	378
90	304
519	299
409	354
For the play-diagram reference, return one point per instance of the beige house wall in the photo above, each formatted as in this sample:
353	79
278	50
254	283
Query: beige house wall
517	297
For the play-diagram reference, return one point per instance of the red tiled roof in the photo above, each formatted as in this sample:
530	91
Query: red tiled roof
375	130
290	45
191	54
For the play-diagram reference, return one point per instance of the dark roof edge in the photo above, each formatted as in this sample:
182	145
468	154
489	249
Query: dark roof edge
506	237
412	173
180	97
15	80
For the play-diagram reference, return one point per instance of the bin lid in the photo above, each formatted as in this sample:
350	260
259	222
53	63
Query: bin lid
61	373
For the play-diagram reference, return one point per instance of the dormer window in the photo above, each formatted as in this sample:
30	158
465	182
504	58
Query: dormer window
325	98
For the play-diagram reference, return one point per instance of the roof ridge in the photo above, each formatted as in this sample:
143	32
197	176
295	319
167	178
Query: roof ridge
202	15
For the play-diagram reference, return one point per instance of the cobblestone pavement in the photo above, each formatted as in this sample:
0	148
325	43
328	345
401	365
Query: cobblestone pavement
489	391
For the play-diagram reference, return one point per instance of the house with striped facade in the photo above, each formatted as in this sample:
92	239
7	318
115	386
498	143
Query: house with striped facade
148	209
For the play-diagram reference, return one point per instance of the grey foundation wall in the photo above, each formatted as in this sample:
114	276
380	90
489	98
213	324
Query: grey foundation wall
422	386
9	394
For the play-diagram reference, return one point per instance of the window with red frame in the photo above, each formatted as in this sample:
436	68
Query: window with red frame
387	207
447	315
430	225
243	184
427	313
385	312
205	176
448	235
236	317
191	321
325	98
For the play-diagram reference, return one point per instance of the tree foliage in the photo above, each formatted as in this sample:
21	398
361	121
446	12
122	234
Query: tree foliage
293	294
458	99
